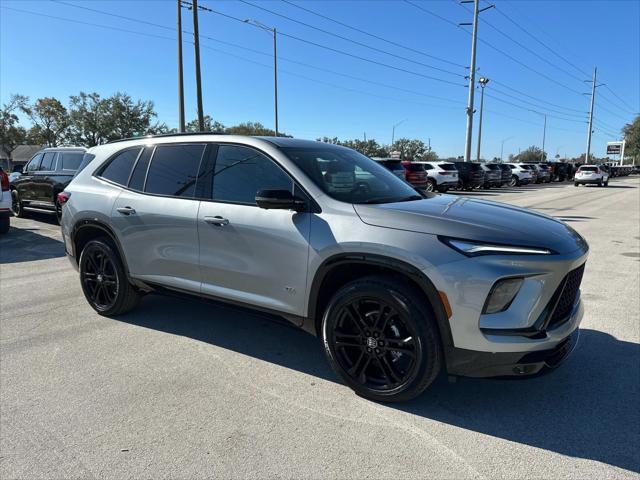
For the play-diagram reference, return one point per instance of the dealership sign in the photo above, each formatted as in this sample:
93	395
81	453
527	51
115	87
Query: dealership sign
614	148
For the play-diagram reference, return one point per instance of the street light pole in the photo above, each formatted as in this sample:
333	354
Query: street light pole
196	42
593	97
544	136
275	76
502	146
258	24
181	124
483	82
393	130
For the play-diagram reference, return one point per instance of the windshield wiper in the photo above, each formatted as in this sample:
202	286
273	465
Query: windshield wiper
392	199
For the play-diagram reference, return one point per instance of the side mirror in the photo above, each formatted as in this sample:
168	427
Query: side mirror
280	200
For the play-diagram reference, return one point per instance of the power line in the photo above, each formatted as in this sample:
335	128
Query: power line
535	98
377	37
341	52
622	102
531	110
538	106
326	32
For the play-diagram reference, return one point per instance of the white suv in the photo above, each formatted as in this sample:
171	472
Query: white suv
520	175
441	176
591	174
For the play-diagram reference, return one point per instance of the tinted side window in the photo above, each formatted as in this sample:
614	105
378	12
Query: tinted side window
47	161
174	170
69	160
33	165
119	168
140	170
241	171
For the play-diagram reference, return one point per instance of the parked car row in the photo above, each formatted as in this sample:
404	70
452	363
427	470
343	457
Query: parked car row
442	176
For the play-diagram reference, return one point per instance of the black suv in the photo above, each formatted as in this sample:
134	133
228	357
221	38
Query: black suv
470	174
47	174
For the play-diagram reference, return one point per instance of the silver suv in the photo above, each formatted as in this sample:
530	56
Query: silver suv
399	285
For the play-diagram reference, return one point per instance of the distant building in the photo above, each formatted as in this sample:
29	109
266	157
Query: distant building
21	155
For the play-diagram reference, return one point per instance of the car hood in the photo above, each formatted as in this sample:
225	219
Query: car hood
471	219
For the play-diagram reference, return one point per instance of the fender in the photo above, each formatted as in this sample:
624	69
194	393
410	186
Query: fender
311	323
89	223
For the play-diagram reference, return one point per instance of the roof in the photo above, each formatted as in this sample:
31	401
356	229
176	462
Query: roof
23	153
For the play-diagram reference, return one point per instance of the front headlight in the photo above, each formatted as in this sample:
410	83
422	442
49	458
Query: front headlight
472	249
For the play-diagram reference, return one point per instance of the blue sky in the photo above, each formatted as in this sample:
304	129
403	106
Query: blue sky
45	56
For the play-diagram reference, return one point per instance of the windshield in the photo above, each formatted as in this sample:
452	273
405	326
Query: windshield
349	176
492	166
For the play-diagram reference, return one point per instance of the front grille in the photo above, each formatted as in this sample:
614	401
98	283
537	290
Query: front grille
567	292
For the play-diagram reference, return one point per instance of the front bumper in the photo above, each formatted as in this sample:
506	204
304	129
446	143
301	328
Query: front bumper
470	363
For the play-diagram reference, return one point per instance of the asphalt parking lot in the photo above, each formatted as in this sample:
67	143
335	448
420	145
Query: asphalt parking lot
188	389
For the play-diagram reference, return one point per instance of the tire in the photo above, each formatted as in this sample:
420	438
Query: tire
16	204
103	279
599	183
443	189
431	185
4	224
606	184
576	184
359	339
58	212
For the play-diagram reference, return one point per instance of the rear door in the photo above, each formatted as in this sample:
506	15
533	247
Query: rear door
155	216
41	178
249	254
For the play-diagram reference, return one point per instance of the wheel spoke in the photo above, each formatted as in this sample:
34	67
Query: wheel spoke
357	319
341	344
387	370
358	368
93	263
400	342
384	315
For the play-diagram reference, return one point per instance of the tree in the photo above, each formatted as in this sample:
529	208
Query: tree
129	118
252	128
50	121
631	132
209	125
531	154
90	119
409	149
11	134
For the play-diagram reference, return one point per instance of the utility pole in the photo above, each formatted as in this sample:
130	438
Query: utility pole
483	82
196	42
181	124
593	97
472	74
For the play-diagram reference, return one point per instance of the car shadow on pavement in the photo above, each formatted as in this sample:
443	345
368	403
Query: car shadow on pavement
587	408
26	245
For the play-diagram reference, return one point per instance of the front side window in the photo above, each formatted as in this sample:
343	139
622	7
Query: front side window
33	165
48	161
119	169
240	172
174	170
349	176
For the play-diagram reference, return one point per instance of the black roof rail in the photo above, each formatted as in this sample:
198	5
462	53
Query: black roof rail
162	135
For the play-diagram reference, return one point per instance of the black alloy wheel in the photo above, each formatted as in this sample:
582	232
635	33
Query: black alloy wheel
431	185
103	279
383	343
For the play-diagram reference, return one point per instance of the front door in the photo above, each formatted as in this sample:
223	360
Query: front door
24	184
249	254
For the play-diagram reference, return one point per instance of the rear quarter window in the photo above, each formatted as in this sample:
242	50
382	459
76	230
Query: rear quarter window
119	168
69	160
